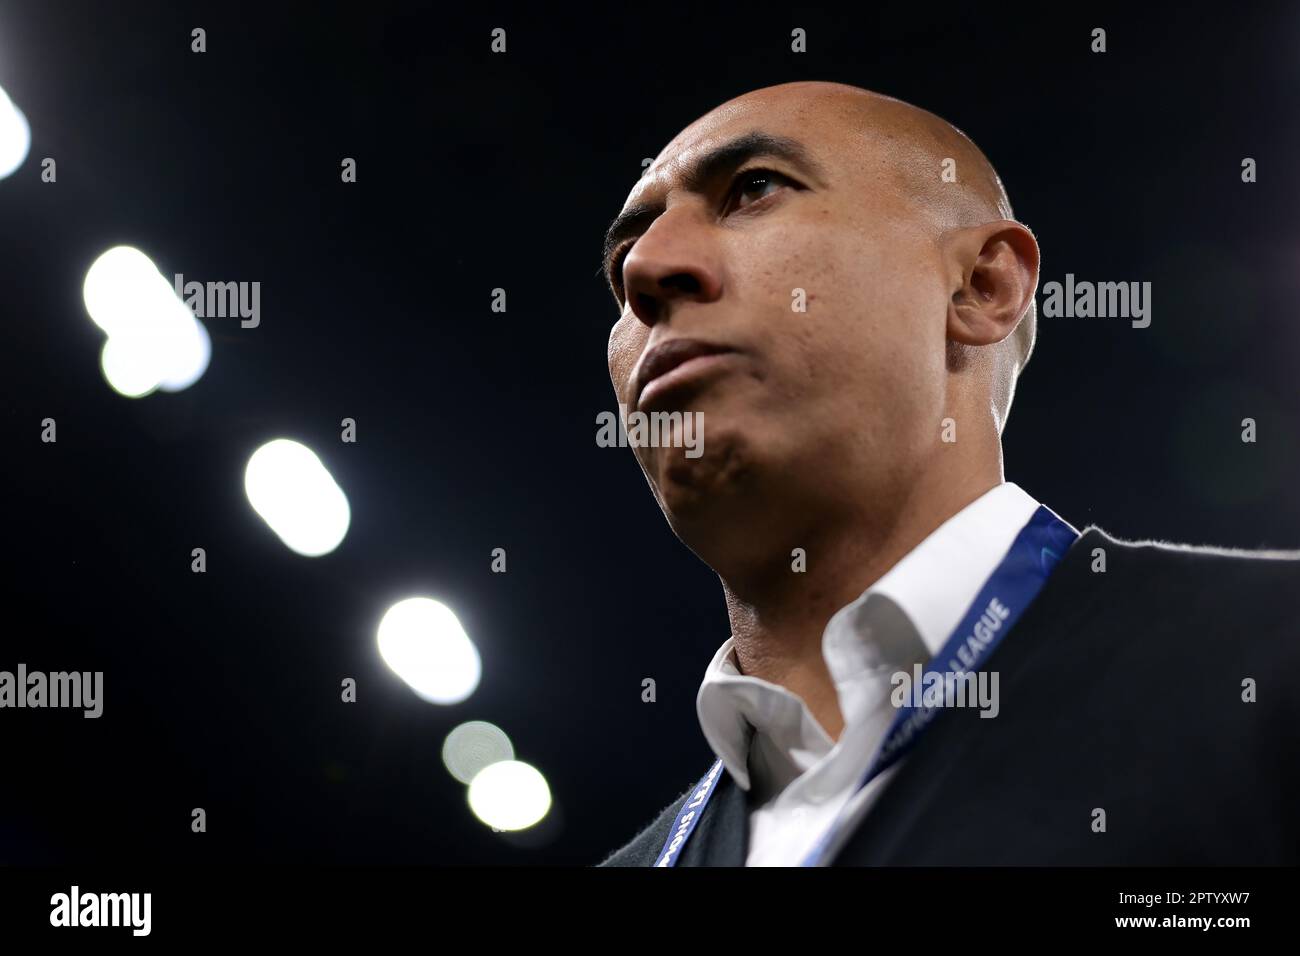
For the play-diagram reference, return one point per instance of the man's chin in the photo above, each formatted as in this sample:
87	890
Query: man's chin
699	492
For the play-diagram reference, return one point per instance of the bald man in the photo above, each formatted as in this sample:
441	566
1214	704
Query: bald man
926	665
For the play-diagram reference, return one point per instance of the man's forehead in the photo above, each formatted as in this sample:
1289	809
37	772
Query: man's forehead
758	112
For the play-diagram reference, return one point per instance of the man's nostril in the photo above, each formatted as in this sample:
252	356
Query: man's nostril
682	281
647	306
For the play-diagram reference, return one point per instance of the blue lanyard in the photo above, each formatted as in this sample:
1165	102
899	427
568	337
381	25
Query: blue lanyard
689	816
1008	591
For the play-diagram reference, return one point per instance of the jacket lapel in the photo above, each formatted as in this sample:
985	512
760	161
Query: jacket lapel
721	838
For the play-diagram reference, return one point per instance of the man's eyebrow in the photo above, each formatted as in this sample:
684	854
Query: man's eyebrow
707	168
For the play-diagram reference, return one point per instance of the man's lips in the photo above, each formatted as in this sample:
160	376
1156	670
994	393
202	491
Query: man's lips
670	363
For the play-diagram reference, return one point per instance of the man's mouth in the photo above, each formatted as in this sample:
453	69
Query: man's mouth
670	364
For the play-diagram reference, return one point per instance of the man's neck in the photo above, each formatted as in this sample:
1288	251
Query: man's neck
777	623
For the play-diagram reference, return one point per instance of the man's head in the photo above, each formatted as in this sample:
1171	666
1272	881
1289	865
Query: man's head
845	272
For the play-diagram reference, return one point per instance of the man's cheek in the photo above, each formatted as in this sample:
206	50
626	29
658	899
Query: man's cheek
625	344
807	309
789	268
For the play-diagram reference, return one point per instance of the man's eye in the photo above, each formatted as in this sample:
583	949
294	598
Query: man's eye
752	184
616	266
755	184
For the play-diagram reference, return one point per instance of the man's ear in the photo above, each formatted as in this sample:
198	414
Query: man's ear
994	270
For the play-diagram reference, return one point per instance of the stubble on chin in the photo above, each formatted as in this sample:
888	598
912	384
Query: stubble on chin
698	492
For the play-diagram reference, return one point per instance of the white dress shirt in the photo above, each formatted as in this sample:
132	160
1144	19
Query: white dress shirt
768	739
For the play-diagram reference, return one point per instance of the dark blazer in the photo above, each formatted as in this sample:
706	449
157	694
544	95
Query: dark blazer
1119	690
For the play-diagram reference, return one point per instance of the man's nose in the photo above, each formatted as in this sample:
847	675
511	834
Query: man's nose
675	260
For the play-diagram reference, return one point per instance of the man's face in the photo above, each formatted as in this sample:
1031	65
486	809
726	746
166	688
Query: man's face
850	390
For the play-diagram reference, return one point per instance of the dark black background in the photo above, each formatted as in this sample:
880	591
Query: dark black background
476	429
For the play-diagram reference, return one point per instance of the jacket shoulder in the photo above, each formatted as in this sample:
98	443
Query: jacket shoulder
1159	550
1181	599
643	849
1175	564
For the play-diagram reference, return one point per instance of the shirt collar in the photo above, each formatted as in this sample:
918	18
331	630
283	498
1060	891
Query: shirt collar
932	586
937	580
